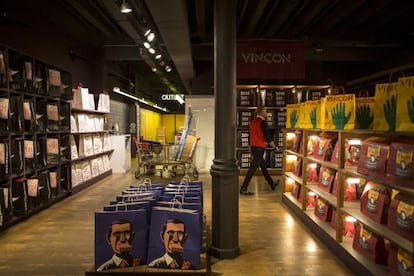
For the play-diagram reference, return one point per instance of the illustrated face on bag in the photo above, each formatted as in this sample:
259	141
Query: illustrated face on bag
173	237
120	237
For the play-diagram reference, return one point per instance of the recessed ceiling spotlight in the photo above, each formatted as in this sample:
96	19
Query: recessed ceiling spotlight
150	37
125	7
151	50
154	69
158	56
147	45
167	68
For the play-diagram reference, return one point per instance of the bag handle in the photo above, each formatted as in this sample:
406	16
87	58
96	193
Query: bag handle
363	93
399	74
173	203
336	90
147	181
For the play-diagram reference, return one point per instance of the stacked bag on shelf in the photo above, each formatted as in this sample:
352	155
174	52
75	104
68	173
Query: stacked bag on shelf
151	224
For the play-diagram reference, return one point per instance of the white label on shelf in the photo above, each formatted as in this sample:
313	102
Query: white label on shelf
54	77
4	108
52	146
52	112
32	187
27	112
52	179
2	154
28	149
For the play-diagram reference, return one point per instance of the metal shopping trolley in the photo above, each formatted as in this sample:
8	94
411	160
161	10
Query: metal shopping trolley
172	158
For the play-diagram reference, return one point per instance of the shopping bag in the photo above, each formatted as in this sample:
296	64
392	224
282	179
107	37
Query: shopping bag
375	202
405	104
364	110
400	262
385	107
293	115
339	112
312	114
323	209
400	216
399	167
174	241
374	156
324	146
120	239
326	178
369	244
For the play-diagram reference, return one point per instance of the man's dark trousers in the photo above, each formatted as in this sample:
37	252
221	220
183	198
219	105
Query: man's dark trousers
255	163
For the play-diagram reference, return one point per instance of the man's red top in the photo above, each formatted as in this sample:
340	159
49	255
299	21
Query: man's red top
258	133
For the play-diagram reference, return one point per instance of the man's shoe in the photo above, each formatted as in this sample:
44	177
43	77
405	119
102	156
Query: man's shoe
246	192
274	185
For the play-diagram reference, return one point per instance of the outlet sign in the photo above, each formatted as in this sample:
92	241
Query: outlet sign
172	97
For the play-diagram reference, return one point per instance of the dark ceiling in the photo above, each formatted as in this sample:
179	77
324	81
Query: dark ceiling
351	39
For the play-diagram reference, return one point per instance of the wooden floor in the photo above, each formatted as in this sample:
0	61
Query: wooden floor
60	239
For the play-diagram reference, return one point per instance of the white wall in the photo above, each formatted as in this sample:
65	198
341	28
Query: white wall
202	108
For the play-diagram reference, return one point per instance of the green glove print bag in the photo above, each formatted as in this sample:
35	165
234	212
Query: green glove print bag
340	111
385	106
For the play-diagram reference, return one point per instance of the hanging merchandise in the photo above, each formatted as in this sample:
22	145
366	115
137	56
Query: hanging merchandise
52	149
29	154
41	156
52	113
16	114
4	116
4	159
29	115
19	196
17	155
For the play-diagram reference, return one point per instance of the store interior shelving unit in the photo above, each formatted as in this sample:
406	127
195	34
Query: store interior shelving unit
34	126
275	98
90	147
296	179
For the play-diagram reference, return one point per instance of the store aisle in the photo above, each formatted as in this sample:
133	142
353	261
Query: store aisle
60	240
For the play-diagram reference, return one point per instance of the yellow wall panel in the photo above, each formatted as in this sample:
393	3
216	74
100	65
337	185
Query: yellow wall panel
150	121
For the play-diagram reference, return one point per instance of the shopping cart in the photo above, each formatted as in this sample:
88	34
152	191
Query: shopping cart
171	158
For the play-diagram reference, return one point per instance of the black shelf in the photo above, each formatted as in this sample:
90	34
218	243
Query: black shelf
83	185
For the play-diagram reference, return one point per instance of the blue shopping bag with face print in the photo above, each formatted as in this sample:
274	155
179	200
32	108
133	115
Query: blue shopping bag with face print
121	239
174	241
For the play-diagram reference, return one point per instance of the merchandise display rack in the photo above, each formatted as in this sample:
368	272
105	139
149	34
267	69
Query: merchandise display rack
34	126
90	144
299	203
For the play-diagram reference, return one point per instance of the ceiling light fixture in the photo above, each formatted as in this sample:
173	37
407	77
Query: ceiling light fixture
147	45
158	56
151	50
125	7
150	37
147	32
167	68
